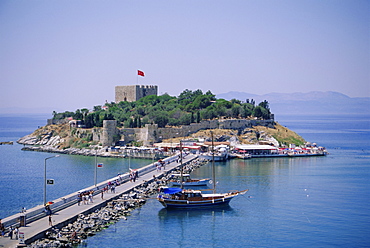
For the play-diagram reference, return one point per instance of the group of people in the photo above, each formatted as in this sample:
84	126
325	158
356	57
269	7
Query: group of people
134	174
160	164
13	231
112	186
86	197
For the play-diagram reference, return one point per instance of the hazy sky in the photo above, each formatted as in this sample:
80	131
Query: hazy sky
65	55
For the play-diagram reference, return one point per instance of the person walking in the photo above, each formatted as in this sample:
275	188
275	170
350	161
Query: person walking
2	229
50	221
91	196
11	232
79	198
16	232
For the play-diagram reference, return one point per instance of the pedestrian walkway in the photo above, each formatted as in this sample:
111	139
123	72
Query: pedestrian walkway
36	229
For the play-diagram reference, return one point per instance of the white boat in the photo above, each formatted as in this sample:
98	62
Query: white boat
242	155
217	157
187	181
219	153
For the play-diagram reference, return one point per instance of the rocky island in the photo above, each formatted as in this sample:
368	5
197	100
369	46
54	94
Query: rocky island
147	120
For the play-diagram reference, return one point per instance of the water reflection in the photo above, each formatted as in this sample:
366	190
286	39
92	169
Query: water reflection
184	224
166	214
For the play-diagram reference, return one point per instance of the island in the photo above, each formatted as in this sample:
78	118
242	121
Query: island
142	124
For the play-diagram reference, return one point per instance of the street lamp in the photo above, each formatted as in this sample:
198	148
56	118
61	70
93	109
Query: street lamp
45	176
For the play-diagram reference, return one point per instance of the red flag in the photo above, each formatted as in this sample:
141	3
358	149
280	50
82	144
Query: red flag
140	73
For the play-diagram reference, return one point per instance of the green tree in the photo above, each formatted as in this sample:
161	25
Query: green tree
78	115
97	108
258	112
264	104
198	117
235	110
89	120
185	119
161	119
84	112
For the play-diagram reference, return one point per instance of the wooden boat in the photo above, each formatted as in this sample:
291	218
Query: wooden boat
187	181
189	198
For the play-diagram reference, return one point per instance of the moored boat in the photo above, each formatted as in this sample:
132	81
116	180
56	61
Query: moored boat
243	155
219	153
175	181
218	157
188	198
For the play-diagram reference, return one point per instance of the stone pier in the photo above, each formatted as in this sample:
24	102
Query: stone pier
66	210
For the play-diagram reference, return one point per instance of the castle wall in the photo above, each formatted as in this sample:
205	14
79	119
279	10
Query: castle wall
56	121
151	133
109	130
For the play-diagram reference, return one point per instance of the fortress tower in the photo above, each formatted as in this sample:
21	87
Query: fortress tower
133	93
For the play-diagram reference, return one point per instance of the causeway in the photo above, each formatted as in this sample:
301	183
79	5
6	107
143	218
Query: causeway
66	210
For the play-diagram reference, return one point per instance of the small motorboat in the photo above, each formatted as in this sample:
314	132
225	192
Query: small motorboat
175	181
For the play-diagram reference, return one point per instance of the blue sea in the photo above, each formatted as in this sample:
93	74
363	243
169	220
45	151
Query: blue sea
291	202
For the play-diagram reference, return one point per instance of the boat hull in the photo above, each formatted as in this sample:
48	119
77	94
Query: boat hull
202	183
243	156
168	203
216	158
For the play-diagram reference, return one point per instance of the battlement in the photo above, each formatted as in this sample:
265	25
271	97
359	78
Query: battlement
132	93
146	86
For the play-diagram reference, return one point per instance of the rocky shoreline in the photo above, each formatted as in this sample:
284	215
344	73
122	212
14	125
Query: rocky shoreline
100	152
88	225
49	143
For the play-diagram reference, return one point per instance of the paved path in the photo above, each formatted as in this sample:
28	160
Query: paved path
35	230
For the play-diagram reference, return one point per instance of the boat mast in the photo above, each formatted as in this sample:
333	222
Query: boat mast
213	166
181	171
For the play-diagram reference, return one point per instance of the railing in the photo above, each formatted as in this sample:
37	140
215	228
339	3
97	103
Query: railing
39	212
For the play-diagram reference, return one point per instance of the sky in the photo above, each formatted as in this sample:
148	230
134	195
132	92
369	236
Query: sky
68	55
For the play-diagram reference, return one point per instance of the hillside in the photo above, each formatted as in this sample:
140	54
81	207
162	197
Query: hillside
188	107
129	122
278	136
64	138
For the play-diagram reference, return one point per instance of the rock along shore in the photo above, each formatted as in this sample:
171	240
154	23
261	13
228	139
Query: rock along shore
100	152
68	232
88	225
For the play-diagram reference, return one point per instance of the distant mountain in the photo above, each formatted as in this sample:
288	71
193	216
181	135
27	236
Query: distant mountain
314	102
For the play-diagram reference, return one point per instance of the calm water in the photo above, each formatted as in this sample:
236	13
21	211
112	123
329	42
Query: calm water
292	202
22	172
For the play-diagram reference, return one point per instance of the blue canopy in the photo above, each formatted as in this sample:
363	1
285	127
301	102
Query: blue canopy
171	190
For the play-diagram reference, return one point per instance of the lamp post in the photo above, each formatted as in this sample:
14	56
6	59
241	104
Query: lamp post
45	176
95	168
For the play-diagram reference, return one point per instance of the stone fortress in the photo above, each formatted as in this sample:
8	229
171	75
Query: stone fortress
151	133
133	93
